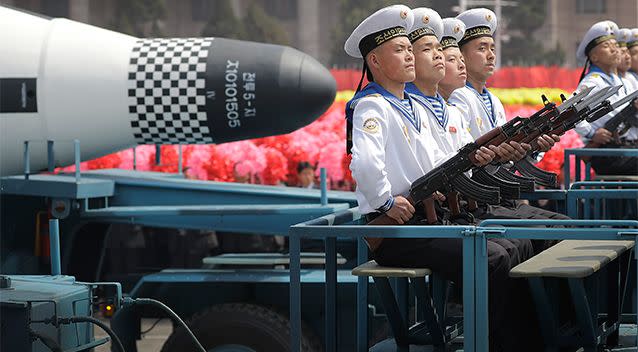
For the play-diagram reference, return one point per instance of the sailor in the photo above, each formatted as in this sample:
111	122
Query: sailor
391	147
446	121
483	111
632	46
622	37
601	53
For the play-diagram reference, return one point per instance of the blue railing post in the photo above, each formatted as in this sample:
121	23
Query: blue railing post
27	161
54	247
362	299
567	169
469	289
295	293
481	325
331	294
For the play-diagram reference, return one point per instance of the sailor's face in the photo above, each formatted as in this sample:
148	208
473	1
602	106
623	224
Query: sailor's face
428	57
480	57
606	54
625	59
455	74
633	53
396	60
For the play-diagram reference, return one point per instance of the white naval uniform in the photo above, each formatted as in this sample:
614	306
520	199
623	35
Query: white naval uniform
454	135
475	112
631	83
600	80
388	153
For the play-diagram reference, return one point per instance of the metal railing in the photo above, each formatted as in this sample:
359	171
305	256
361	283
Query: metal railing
587	152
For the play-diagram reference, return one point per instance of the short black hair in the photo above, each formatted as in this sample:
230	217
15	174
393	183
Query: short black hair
304	165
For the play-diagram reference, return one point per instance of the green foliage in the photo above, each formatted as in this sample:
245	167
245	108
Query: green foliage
256	25
133	16
261	27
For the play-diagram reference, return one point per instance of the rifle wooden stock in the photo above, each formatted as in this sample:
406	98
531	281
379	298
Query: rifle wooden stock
453	203
385	220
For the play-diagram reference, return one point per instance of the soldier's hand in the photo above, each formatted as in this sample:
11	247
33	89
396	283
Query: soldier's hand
513	151
485	156
545	142
401	210
602	136
636	103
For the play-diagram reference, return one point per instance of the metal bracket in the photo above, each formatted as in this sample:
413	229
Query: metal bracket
469	232
492	232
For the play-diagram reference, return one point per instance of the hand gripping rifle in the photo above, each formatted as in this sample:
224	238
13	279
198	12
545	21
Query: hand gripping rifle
620	123
450	176
535	127
510	184
589	110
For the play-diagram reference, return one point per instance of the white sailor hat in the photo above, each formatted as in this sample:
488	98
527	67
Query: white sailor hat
385	24
633	39
479	22
426	22
598	33
622	36
453	31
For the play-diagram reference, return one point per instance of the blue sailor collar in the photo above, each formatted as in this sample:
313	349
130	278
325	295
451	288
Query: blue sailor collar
611	80
421	98
374	88
490	112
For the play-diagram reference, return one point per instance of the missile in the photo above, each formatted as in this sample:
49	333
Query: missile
62	80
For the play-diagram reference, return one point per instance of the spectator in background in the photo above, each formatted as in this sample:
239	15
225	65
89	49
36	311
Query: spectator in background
241	172
306	175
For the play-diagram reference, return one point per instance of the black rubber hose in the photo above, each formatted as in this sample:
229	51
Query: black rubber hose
176	318
47	341
79	319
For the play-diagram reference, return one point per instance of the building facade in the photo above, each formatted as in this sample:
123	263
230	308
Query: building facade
567	22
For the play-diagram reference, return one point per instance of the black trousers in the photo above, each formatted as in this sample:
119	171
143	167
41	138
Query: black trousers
512	324
624	165
520	210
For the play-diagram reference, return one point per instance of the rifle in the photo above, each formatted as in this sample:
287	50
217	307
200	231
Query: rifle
450	176
567	117
625	118
532	129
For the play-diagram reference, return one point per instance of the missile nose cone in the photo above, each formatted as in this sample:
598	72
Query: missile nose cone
316	88
263	90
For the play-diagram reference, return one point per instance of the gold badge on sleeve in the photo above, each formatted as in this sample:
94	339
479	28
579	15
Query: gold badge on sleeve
371	125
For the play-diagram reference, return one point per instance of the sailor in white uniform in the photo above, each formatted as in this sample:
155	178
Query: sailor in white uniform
632	46
455	77
482	110
391	147
446	121
601	53
388	153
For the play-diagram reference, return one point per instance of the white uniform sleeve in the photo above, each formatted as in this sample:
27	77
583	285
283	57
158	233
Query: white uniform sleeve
584	128
459	101
369	136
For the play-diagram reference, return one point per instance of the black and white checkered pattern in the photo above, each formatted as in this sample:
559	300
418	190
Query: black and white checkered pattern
166	91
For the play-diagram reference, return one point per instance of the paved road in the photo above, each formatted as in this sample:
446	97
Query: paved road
150	342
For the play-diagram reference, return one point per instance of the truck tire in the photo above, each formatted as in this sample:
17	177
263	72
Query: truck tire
239	327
